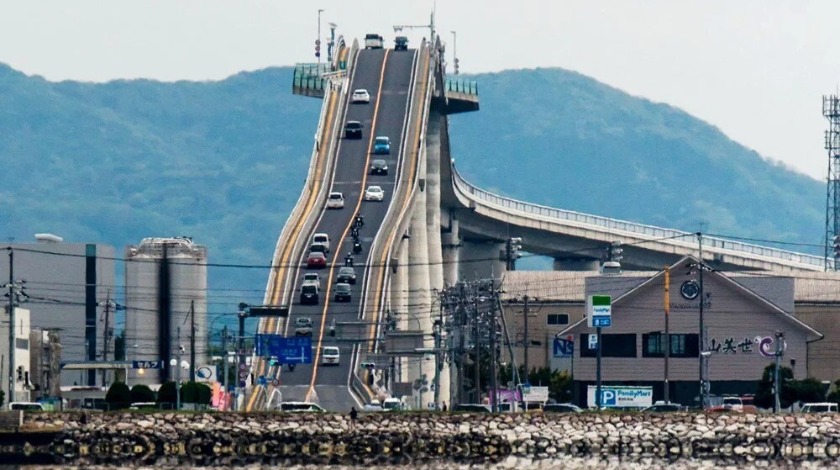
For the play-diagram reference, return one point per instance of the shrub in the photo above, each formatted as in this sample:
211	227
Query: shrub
118	396
142	394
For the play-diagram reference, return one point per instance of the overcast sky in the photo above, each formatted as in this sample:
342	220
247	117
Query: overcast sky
757	69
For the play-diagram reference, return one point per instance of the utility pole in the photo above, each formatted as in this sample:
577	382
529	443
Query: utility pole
667	305
701	336
777	406
476	347
598	370
192	340
105	335
225	358
11	326
527	341
462	350
178	374
438	331
493	369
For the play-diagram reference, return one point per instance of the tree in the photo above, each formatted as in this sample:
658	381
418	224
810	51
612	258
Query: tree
167	394
764	397
119	346
834	395
809	390
2	398
142	394
118	396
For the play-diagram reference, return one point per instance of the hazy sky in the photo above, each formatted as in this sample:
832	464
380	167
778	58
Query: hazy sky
757	69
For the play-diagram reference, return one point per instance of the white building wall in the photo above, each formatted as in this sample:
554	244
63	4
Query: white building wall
21	331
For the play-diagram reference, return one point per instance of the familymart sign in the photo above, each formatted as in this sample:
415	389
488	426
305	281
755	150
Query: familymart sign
599	311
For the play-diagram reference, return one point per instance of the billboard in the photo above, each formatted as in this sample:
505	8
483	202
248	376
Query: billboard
621	397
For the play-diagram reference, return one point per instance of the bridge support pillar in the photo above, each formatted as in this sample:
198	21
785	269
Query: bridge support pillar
420	300
399	305
576	264
482	260
451	243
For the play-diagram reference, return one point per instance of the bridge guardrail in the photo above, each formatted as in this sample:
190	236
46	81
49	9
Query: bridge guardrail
467	87
651	231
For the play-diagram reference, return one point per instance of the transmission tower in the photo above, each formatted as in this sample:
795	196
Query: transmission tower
831	111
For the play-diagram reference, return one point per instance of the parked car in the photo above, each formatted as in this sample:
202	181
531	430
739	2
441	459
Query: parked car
26	406
346	274
819	408
561	408
662	407
309	294
353	130
330	356
323	239
472	407
301	407
401	43
335	201
374	193
316	260
360	96
381	145
391	404
373	405
343	293
379	167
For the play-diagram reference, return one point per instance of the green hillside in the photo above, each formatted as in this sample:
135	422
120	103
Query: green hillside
224	162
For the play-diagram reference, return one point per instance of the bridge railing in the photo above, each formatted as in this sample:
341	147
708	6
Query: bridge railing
650	231
467	87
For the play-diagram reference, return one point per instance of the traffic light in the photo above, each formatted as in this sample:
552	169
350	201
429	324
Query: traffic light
272	362
20	373
456	66
317	48
614	251
837	246
515	247
368	365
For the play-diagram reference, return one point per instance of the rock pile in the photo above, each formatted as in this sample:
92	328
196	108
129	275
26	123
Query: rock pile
210	439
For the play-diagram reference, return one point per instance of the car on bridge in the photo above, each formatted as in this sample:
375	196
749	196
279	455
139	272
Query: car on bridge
316	260
330	356
346	274
374	193
323	239
309	294
360	96
374	41
343	293
312	278
335	200
401	43
381	145
303	326
379	167
318	247
353	130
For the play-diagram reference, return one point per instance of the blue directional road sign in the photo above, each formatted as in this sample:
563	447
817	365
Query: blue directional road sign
292	350
147	364
602	321
563	347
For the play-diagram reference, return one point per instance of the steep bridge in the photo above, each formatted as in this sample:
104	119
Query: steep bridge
432	229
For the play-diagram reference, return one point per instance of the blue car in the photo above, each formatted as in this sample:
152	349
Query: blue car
382	145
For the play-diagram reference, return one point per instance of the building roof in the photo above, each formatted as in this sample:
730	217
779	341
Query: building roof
569	286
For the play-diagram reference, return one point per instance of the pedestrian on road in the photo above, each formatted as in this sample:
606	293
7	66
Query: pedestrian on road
353	415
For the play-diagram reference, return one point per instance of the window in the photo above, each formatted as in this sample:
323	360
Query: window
618	345
557	319
682	345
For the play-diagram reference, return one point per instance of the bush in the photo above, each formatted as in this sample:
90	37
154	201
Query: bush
194	392
764	397
810	390
2	398
166	393
142	394
118	396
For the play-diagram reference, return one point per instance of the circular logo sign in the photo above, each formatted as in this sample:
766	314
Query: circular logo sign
204	372
690	290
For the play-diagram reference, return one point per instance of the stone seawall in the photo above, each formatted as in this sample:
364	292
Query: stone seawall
210	439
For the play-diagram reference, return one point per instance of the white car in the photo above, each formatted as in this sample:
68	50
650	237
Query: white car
323	239
330	356
335	201
374	193
360	96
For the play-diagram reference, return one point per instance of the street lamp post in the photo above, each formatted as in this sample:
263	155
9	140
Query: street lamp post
455	51
318	41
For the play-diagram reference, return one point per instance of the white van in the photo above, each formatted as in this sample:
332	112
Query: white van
374	41
323	239
26	406
819	408
330	355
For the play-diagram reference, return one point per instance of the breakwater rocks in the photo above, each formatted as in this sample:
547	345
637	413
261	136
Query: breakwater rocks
227	439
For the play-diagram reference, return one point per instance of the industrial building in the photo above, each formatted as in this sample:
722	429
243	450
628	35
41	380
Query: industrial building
67	285
743	312
165	294
20	374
